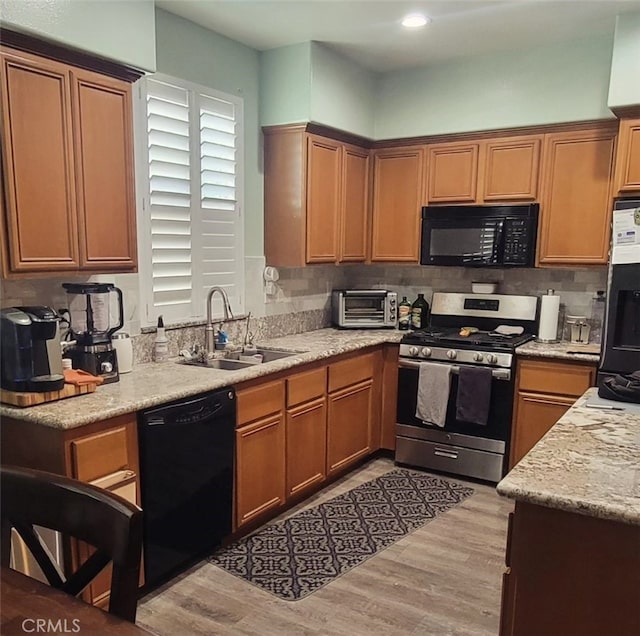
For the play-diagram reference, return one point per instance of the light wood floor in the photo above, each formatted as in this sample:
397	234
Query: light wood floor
444	579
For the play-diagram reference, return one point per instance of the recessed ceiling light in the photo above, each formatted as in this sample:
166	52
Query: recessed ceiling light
414	20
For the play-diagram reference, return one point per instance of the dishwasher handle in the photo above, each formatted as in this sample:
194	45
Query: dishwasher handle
203	408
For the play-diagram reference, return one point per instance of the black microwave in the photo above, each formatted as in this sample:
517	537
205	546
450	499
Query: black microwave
479	235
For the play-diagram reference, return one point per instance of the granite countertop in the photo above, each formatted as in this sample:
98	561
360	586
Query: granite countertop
152	384
560	350
587	463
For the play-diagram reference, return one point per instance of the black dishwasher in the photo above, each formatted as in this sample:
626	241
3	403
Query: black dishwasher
186	471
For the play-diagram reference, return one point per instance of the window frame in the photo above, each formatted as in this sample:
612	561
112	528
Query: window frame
148	313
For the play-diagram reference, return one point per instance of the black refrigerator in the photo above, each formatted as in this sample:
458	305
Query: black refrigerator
621	336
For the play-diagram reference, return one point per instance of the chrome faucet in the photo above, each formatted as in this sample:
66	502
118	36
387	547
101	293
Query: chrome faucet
209	334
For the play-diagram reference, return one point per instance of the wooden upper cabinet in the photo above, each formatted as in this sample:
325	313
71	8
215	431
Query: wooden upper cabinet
355	204
453	172
576	201
397	200
68	167
488	170
104	171
627	177
40	203
323	199
316	198
511	167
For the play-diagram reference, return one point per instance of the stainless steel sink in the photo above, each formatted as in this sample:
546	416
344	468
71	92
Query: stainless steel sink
269	355
232	363
220	363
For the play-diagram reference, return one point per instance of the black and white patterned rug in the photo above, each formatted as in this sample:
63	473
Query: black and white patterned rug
297	556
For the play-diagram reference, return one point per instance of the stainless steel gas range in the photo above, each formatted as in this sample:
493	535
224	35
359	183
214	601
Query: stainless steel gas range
466	331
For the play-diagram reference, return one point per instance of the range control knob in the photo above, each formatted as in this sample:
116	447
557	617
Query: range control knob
413	351
106	367
452	354
426	352
491	358
478	357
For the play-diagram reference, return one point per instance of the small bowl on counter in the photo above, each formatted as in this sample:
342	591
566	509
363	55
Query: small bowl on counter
478	287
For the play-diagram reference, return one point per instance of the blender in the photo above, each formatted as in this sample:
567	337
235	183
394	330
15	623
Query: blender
91	329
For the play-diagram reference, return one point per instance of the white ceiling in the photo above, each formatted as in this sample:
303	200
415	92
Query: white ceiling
369	31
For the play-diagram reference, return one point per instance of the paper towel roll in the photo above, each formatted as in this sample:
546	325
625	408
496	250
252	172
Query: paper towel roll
549	310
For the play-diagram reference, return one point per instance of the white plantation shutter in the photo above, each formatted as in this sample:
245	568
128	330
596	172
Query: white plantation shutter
194	235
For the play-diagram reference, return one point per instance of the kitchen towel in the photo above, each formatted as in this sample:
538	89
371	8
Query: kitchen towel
474	395
433	392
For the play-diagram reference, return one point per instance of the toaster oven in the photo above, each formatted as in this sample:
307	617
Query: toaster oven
364	308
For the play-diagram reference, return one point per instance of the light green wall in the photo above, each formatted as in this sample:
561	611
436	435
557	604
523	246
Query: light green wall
310	82
342	93
119	30
624	87
551	84
193	53
285	85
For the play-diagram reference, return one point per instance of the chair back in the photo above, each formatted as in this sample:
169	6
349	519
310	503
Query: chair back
102	519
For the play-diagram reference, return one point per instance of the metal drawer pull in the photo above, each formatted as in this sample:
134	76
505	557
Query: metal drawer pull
445	452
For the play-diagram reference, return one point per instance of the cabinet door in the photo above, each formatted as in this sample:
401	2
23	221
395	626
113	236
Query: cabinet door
453	172
535	415
323	199
576	203
355	203
628	156
104	171
306	446
38	165
511	169
397	199
349	426
260	468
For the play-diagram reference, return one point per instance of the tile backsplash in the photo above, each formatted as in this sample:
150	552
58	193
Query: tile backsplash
300	299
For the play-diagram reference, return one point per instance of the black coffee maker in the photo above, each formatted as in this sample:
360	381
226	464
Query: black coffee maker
91	329
31	354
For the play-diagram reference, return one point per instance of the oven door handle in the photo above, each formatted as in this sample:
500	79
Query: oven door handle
498	374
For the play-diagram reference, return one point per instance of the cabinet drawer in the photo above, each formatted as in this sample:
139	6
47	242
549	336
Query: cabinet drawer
306	386
259	401
100	455
555	377
350	371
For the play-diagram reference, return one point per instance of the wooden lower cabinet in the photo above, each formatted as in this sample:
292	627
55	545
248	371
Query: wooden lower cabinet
349	426
103	453
260	468
260	451
545	390
306	445
569	574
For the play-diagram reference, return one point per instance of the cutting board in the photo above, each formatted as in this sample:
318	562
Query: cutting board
31	398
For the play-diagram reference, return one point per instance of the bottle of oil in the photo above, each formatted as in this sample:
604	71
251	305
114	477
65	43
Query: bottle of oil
419	313
404	314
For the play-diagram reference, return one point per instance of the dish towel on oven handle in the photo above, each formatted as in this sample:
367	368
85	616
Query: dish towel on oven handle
474	395
433	392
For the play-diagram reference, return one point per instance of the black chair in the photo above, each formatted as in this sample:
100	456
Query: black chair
102	519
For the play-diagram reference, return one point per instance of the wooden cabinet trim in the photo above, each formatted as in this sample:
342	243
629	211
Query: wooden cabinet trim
258	401
104	178
306	385
499	179
627	172
31	183
455	180
576	197
349	371
99	455
555	378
